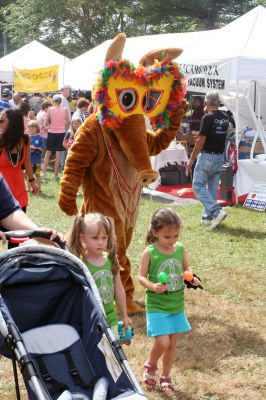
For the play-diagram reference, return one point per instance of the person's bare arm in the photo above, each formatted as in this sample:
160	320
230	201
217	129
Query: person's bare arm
47	119
120	298
29	171
18	220
197	149
143	273
187	268
67	122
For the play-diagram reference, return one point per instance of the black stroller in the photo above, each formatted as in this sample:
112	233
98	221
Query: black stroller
53	325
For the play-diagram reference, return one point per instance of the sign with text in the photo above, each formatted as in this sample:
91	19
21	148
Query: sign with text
257	197
36	80
207	77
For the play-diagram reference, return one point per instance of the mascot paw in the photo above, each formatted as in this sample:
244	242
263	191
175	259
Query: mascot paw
176	119
68	207
134	308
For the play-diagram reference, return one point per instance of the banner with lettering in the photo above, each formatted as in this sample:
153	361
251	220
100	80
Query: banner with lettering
36	80
207	77
256	199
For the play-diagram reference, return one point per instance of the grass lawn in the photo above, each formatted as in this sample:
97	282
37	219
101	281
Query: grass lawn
223	357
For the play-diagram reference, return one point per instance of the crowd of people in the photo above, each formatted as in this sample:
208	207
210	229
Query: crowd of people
32	127
92	239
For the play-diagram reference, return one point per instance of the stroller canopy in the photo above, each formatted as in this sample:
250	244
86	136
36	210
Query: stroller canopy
49	293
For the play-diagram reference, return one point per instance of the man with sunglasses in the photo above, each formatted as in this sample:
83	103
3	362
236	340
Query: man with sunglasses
210	147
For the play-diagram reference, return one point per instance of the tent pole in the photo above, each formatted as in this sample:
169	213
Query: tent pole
237	133
64	71
13	76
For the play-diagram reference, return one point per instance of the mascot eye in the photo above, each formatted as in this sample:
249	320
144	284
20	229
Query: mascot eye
151	99
127	99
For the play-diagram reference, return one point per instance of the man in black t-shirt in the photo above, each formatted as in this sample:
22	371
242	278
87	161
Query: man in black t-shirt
210	147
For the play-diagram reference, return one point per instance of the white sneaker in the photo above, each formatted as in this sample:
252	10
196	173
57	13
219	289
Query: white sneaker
206	221
217	220
43	178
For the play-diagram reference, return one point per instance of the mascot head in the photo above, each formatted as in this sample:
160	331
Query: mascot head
154	89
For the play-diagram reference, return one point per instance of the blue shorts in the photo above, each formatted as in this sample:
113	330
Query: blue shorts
159	324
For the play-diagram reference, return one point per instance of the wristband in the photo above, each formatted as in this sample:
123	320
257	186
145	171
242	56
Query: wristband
32	180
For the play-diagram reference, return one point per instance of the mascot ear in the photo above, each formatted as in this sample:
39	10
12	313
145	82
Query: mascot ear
116	48
160	55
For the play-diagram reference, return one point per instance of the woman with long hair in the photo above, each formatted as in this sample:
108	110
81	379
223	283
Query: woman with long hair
15	153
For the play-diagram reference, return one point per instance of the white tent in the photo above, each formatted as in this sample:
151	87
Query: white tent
232	60
82	71
33	55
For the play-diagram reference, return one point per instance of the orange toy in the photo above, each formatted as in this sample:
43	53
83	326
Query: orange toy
188	276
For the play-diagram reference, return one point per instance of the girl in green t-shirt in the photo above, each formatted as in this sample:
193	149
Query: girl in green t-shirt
92	238
161	272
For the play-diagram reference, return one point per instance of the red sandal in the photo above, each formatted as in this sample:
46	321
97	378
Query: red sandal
149	377
166	385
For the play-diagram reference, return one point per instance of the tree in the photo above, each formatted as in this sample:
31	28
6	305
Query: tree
3	4
71	27
191	14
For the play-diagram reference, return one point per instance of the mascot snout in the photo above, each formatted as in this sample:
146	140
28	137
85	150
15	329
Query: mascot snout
132	138
145	178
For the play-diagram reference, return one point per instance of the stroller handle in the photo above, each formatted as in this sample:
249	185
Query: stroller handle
20	236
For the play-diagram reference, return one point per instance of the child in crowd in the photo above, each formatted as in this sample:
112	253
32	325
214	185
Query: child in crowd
72	104
37	146
68	140
41	118
69	136
164	257
92	238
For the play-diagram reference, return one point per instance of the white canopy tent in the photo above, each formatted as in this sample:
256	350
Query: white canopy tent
82	71
232	60
33	55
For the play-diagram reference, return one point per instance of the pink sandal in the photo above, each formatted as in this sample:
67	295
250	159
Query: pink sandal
149	377
166	385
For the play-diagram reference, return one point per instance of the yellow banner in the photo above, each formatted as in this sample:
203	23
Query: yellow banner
36	80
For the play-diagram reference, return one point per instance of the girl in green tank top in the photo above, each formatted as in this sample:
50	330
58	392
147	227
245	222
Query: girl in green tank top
162	266
92	238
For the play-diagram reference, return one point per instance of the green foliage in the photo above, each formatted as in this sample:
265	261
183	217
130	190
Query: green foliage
3	4
224	355
228	259
72	28
68	27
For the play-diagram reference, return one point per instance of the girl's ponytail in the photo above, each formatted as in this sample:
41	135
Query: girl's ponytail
150	238
111	245
74	242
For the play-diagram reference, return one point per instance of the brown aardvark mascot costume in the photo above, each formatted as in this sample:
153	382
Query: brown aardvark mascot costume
110	156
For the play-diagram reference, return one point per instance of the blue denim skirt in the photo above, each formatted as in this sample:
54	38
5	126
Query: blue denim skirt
159	324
